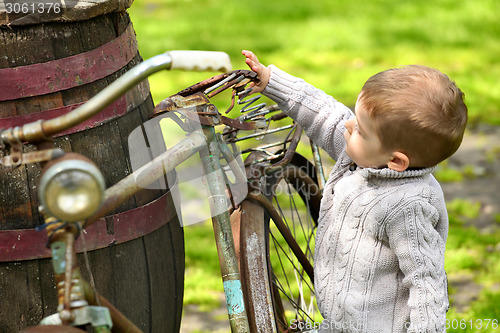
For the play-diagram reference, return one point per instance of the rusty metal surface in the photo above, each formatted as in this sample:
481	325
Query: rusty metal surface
195	96
223	235
236	123
203	85
70	280
73	291
200	102
175	102
16	159
289	152
61	239
285	232
120	322
250	242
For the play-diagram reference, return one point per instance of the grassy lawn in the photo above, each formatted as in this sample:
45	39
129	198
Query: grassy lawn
337	45
473	254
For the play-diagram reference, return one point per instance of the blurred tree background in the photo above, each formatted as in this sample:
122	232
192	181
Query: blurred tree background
336	45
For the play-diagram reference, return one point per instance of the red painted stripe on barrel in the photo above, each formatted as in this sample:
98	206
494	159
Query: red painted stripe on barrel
62	74
27	244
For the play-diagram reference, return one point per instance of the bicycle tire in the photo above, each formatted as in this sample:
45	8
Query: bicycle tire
272	307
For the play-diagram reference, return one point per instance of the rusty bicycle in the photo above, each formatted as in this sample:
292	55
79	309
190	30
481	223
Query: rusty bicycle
263	196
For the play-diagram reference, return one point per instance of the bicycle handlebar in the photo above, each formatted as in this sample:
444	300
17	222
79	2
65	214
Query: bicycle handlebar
200	61
185	60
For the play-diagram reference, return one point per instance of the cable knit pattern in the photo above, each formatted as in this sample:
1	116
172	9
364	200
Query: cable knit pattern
379	257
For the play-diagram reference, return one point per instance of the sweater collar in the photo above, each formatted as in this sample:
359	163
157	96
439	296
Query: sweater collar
389	173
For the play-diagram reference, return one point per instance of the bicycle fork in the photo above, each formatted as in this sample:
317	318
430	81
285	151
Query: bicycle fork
78	303
223	234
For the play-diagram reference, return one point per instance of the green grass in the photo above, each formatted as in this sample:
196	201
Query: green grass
203	283
469	250
473	254
337	45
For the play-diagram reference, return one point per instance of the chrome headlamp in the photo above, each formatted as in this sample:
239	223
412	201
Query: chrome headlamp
71	188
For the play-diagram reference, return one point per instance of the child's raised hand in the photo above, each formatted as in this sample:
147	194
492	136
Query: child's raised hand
262	71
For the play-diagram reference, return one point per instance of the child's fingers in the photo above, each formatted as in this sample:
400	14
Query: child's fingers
249	54
251	60
253	66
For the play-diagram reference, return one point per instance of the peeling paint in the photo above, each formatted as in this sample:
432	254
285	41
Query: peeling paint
234	297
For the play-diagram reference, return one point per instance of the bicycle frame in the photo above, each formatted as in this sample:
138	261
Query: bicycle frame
62	235
205	142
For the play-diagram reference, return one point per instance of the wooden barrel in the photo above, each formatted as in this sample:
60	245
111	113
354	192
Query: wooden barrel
137	254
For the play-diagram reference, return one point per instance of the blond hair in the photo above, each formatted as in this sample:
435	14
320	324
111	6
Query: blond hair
416	110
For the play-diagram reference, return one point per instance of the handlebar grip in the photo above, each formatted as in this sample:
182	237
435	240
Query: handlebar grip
200	60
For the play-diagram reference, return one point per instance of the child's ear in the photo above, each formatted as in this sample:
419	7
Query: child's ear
400	161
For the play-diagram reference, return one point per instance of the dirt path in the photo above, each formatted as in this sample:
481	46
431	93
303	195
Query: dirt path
480	156
196	321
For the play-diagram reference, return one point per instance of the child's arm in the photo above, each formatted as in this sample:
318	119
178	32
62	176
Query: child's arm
321	116
420	249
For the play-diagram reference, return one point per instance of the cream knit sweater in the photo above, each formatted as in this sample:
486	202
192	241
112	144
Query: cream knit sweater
379	257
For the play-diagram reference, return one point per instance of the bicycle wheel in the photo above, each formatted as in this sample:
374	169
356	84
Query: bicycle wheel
277	278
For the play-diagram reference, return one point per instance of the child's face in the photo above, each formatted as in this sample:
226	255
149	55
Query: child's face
363	144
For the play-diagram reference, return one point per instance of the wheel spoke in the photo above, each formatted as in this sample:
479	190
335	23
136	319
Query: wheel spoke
289	259
298	219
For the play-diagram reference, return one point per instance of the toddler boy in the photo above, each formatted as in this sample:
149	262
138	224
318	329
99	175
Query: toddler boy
380	243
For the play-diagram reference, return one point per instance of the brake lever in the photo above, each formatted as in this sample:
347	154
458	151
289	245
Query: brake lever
13	161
